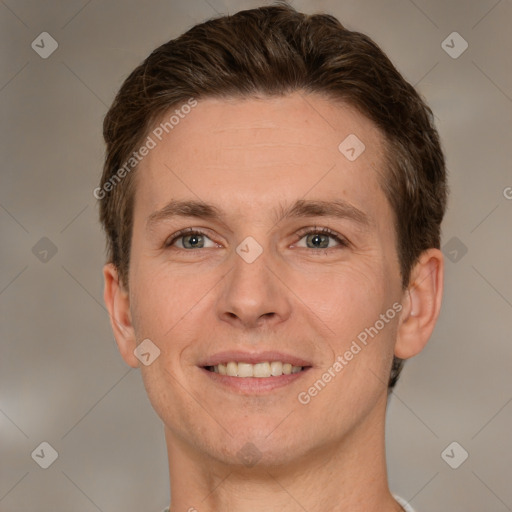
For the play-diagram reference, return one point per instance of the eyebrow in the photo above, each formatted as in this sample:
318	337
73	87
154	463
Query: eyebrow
338	208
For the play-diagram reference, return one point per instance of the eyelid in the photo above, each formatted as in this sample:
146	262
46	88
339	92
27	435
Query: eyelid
343	241
183	232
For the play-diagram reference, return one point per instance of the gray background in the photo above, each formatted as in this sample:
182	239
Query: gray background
62	380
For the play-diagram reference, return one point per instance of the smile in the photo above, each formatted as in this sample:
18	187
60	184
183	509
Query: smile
258	370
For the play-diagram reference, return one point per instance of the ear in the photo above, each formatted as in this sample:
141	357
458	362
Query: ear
421	304
117	301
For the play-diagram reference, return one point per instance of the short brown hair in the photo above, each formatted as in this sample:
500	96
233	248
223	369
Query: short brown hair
272	51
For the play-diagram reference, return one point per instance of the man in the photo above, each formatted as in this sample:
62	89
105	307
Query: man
272	197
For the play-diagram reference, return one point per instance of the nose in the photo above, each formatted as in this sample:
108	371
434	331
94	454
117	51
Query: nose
253	294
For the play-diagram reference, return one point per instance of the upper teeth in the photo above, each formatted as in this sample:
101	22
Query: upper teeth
267	369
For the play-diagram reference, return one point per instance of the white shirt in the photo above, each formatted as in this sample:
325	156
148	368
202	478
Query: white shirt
403	503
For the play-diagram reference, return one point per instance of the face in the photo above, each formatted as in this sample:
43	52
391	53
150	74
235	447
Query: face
293	262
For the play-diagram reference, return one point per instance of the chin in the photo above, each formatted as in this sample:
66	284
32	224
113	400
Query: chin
262	447
253	455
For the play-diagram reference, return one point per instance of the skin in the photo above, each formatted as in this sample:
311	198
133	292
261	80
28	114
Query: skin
248	157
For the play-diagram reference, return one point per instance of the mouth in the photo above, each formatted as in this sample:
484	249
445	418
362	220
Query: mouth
250	373
259	370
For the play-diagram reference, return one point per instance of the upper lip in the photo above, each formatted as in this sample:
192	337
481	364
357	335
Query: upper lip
253	358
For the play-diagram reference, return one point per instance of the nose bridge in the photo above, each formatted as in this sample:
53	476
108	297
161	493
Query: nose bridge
251	290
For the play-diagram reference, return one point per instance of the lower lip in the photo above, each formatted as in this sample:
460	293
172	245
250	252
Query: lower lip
254	385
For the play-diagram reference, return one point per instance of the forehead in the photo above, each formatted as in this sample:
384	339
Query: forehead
262	150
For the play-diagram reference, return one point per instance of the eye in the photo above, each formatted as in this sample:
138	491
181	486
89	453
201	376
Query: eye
318	238
190	239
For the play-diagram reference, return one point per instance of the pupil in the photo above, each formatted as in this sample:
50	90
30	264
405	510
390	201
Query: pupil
317	238
193	240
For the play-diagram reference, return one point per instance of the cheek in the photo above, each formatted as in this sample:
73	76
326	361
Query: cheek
159	311
350	308
363	322
351	298
159	299
172	309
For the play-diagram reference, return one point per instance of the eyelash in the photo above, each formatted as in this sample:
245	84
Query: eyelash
343	242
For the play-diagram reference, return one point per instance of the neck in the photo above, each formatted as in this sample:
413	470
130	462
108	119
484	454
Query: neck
347	474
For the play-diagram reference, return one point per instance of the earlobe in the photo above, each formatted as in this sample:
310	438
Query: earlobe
421	304
118	304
